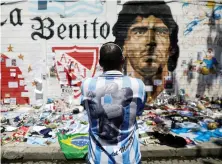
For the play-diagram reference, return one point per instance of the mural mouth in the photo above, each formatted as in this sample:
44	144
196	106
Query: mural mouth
150	59
149	64
147	72
151	49
149	68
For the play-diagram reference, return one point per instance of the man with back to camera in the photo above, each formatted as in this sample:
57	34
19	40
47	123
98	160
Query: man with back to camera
113	101
148	35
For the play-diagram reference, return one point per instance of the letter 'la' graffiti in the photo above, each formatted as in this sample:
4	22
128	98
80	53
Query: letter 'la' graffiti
47	31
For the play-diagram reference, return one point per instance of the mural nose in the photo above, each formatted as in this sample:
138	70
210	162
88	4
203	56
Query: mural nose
150	36
151	43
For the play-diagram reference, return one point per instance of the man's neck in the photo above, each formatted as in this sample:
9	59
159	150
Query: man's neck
105	70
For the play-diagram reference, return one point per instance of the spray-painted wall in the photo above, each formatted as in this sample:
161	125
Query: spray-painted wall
49	45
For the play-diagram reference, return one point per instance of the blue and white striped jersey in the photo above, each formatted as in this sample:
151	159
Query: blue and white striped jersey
113	101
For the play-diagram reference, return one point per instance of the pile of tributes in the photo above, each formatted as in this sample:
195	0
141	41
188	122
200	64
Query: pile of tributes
177	122
56	121
170	120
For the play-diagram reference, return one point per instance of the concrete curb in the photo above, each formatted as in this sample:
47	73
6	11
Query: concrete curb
205	150
22	151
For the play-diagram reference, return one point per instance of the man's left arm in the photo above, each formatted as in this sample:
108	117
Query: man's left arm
82	94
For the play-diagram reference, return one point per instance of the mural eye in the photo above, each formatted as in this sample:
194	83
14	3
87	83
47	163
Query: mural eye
139	31
162	31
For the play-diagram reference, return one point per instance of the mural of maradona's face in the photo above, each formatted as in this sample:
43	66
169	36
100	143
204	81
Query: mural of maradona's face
147	45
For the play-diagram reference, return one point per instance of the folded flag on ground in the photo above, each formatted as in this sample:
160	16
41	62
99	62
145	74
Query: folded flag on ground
74	146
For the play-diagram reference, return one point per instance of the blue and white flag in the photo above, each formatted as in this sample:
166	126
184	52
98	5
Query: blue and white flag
67	8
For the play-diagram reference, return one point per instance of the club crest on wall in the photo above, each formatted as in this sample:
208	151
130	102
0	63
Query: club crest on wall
74	64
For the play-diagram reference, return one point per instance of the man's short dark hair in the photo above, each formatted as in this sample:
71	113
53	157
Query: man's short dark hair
159	9
111	56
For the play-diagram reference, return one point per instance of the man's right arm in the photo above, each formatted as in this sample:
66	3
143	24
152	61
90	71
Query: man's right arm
141	98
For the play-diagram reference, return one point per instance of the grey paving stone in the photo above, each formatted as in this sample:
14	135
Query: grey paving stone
148	161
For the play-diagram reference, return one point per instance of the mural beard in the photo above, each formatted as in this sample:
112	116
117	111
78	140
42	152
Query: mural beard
149	71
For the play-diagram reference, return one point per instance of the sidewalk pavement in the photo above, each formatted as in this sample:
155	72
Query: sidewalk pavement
23	151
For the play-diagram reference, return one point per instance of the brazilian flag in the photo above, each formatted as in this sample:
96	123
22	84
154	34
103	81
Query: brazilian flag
74	146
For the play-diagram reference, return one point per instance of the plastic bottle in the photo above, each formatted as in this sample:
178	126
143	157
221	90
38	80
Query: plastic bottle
212	100
200	106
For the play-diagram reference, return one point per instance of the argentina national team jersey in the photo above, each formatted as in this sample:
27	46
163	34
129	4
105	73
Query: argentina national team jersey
113	101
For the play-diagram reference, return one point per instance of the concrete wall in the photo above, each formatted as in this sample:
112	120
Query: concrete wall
56	44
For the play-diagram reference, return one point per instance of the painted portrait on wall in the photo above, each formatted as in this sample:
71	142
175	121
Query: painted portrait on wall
149	39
